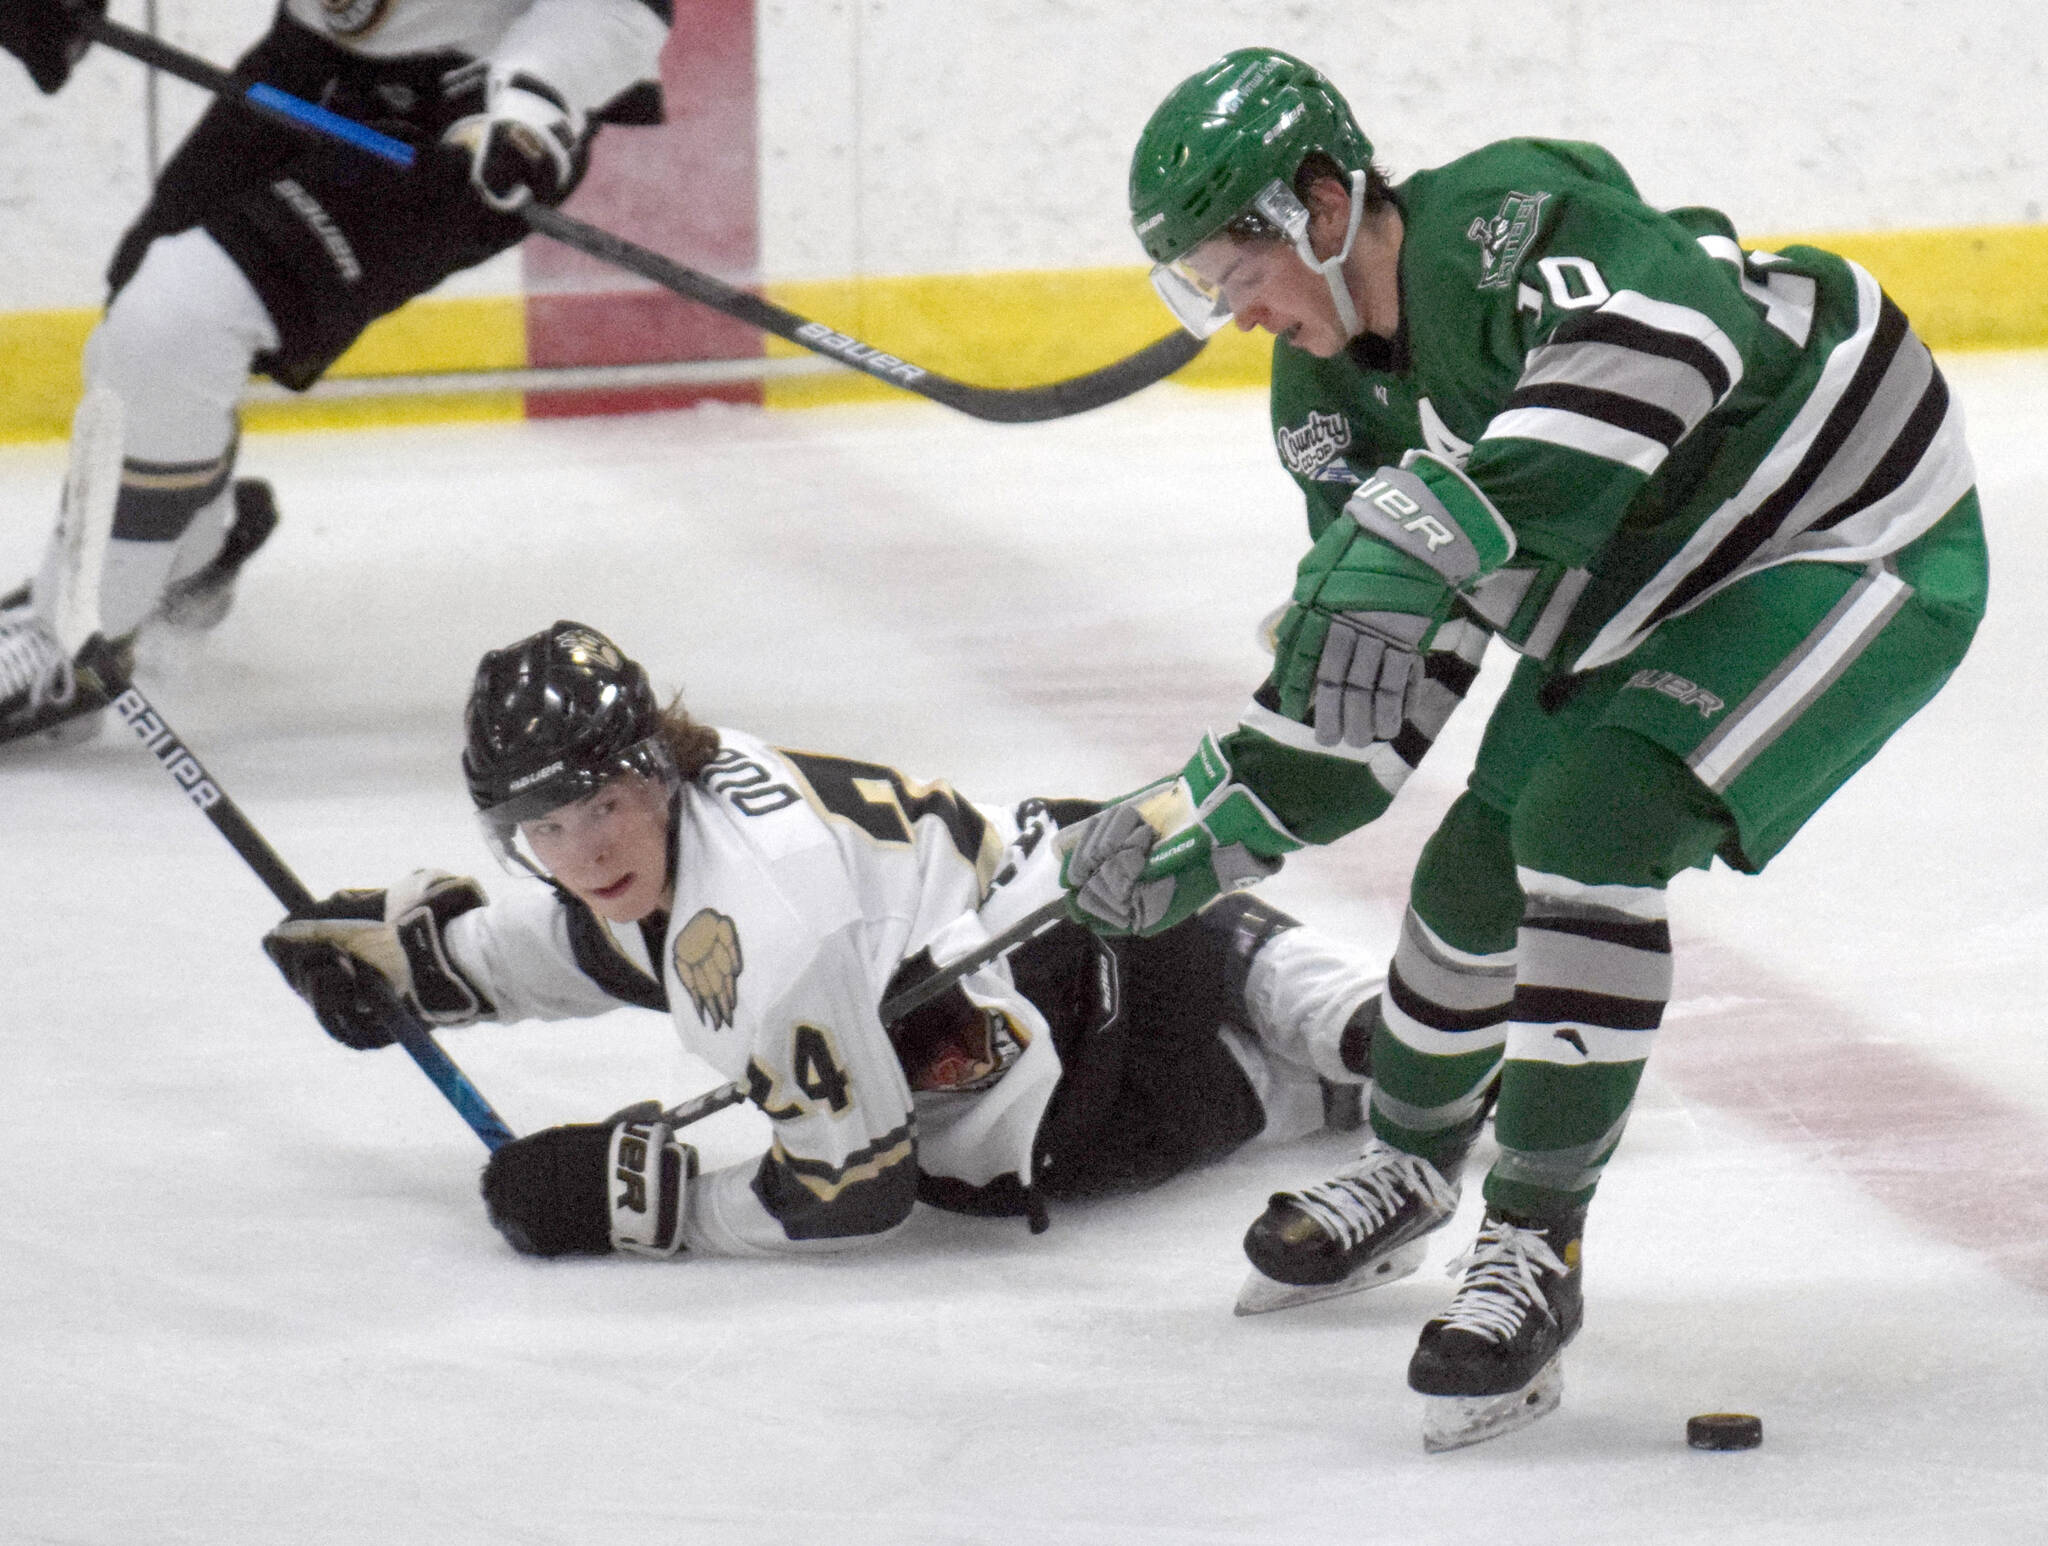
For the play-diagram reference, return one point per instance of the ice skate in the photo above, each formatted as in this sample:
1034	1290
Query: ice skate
46	692
201	599
1491	1363
1364	1227
54	663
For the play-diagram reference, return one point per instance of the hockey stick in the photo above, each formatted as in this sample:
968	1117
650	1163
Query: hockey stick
280	106
918	994
99	668
1000	405
697	1108
893	1009
69	585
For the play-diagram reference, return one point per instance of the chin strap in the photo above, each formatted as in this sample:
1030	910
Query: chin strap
1332	269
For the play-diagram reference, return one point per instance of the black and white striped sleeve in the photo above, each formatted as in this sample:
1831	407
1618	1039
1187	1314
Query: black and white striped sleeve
1625	381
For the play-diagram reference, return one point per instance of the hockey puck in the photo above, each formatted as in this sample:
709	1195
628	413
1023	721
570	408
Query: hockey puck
1724	1430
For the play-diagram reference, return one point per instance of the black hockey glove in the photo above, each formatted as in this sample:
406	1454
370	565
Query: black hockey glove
48	36
358	953
525	144
593	1188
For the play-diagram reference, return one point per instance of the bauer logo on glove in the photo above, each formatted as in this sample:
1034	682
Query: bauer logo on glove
1373	591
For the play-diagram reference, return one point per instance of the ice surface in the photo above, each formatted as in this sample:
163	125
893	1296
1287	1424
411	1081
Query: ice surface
247	1293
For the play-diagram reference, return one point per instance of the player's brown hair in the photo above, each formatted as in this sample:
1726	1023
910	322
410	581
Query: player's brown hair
691	743
1319	164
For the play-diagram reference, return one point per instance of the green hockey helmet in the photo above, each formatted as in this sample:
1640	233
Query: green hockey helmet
1222	152
1223	134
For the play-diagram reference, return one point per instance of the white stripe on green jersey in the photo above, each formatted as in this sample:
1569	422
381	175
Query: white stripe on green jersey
1873	459
1655	413
1626	381
1807	673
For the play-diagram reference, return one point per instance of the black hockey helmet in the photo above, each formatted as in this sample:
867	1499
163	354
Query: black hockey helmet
550	719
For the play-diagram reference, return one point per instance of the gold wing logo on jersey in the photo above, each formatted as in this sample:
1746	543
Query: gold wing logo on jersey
353	18
707	958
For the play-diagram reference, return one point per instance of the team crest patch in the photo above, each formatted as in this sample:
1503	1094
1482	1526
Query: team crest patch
708	964
1503	239
353	18
1312	447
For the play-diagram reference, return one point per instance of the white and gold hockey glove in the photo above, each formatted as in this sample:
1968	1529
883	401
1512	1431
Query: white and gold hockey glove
525	145
356	954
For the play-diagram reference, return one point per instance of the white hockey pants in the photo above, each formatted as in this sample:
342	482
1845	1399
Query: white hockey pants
176	346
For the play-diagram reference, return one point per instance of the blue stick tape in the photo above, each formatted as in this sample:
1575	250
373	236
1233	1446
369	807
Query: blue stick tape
333	125
454	1084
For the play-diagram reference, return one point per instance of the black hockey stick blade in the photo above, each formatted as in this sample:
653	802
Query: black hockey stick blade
1000	405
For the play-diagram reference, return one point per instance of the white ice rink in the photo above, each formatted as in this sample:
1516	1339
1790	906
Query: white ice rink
248	1293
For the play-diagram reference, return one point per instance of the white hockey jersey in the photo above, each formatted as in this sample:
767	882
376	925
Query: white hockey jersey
802	883
591	51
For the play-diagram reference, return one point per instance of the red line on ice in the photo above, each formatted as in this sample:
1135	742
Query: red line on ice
1952	1158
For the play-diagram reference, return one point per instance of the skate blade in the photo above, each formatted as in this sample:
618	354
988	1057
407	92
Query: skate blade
60	735
77	731
1452	1422
1261	1293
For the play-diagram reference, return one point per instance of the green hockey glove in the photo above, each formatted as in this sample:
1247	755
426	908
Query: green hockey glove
1160	854
1373	591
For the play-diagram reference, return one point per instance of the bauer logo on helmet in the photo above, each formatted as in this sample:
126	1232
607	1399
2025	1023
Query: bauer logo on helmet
539	776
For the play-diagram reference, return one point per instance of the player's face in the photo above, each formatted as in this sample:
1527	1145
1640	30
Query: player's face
1268	285
610	849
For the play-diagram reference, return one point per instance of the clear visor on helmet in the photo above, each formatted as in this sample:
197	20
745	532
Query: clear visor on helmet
550	790
1200	287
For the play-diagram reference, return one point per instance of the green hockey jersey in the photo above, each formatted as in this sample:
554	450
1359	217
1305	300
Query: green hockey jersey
1653	412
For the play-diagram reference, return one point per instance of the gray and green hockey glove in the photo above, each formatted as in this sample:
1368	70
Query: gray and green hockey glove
1159	855
351	955
1372	592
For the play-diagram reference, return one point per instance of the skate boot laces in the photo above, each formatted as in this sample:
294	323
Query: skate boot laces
33	666
1501	1286
1367	1193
